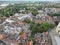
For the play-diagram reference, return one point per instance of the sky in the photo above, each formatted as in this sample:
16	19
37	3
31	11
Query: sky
29	0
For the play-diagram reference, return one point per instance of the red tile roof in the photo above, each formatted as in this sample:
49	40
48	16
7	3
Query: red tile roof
24	36
1	36
31	43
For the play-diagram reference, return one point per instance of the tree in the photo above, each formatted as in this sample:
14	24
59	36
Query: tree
43	27
34	11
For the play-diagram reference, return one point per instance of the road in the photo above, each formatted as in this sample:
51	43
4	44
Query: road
52	34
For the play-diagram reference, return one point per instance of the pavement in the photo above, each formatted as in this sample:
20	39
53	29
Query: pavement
57	40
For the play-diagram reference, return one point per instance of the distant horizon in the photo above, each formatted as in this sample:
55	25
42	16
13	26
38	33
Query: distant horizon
32	0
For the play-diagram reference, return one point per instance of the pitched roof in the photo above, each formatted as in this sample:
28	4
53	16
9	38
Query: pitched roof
31	43
1	36
24	36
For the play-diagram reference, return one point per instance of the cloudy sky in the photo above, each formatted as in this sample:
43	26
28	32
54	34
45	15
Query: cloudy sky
29	0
